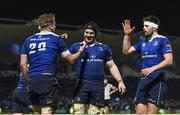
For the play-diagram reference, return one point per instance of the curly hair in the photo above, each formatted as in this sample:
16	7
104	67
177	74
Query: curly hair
91	25
153	19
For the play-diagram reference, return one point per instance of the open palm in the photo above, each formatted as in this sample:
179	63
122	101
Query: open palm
127	27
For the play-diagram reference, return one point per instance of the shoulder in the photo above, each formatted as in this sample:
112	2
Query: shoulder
47	33
162	38
77	44
29	38
104	46
101	44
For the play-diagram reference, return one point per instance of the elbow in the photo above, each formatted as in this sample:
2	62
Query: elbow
71	62
124	52
22	65
170	62
70	59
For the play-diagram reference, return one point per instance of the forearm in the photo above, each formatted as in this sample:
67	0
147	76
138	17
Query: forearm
71	58
115	73
113	91
163	64
126	43
76	56
24	70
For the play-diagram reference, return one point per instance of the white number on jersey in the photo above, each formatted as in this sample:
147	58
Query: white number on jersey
41	47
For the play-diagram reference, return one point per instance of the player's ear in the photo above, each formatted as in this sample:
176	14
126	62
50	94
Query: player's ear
53	26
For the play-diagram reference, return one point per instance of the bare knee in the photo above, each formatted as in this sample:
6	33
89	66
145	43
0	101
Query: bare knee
36	109
79	108
141	108
104	110
47	110
152	109
93	109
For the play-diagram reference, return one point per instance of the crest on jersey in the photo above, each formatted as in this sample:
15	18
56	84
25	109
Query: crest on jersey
100	49
92	56
155	43
143	44
168	45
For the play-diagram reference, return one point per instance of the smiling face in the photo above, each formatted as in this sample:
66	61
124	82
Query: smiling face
89	36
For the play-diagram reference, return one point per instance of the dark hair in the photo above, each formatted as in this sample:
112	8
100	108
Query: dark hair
91	25
153	19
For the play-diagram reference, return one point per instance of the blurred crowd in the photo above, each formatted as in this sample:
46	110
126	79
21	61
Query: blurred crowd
119	103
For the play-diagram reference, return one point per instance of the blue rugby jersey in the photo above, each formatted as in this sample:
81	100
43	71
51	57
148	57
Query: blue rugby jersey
42	50
152	52
90	65
21	83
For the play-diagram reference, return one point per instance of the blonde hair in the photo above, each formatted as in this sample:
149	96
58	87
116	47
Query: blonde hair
45	20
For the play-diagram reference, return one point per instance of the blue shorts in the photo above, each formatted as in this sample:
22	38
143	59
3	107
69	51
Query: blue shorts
42	90
21	102
151	90
88	92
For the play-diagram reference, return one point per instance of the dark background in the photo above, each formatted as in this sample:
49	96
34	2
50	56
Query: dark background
107	13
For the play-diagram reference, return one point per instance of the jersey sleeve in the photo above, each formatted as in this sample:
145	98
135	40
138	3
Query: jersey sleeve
63	47
75	48
108	54
166	46
137	46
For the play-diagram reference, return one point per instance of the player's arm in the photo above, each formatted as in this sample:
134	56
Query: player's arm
116	74
113	91
24	67
127	48
64	36
71	58
168	60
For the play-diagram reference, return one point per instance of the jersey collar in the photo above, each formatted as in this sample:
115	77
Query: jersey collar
46	33
95	42
153	37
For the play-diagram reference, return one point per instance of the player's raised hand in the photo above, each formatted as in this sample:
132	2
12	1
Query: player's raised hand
64	36
127	27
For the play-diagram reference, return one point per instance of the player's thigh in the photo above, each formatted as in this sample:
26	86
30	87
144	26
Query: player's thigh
141	93
82	93
157	93
21	102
